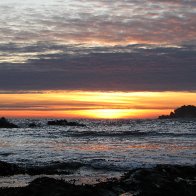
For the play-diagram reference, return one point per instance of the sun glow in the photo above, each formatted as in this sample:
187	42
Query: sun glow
107	113
86	104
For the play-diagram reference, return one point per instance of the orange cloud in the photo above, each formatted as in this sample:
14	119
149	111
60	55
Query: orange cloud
86	104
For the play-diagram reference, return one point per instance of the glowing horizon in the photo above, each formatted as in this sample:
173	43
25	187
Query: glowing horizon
95	104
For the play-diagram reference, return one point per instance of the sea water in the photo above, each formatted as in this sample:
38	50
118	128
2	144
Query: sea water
104	147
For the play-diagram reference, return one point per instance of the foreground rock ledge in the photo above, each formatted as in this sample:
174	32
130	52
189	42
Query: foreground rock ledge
162	180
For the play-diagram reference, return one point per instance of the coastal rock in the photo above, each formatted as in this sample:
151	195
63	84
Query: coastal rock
4	123
32	125
8	169
188	111
162	180
64	123
49	187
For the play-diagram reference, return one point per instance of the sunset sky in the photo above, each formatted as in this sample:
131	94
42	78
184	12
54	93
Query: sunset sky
96	58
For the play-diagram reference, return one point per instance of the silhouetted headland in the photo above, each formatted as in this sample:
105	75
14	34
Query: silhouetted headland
4	123
188	111
65	123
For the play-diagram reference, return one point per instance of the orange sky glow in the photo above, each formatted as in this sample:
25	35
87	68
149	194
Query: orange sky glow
97	105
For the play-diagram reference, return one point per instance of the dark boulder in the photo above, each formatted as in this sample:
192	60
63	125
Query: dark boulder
64	123
162	180
58	122
4	123
8	169
32	125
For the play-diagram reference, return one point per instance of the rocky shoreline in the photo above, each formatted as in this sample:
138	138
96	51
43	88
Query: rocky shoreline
159	180
4	123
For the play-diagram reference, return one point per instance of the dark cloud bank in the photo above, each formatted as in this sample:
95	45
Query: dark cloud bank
130	68
88	45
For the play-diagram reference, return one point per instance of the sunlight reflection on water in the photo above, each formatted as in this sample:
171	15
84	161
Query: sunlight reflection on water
120	144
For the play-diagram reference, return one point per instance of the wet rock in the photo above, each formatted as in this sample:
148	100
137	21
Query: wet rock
162	180
49	187
58	122
8	169
32	125
64	123
4	123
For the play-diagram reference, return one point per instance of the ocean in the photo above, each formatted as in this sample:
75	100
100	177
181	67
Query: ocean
104	148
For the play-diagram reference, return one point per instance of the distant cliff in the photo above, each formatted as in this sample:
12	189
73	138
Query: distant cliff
188	111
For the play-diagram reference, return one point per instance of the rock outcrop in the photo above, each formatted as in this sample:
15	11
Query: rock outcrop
188	111
9	169
32	125
64	123
162	180
4	123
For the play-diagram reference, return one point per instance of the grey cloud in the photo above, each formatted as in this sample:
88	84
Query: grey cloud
134	67
84	44
117	22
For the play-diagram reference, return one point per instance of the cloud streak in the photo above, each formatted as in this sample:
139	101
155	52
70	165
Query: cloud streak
92	104
99	22
127	68
128	45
